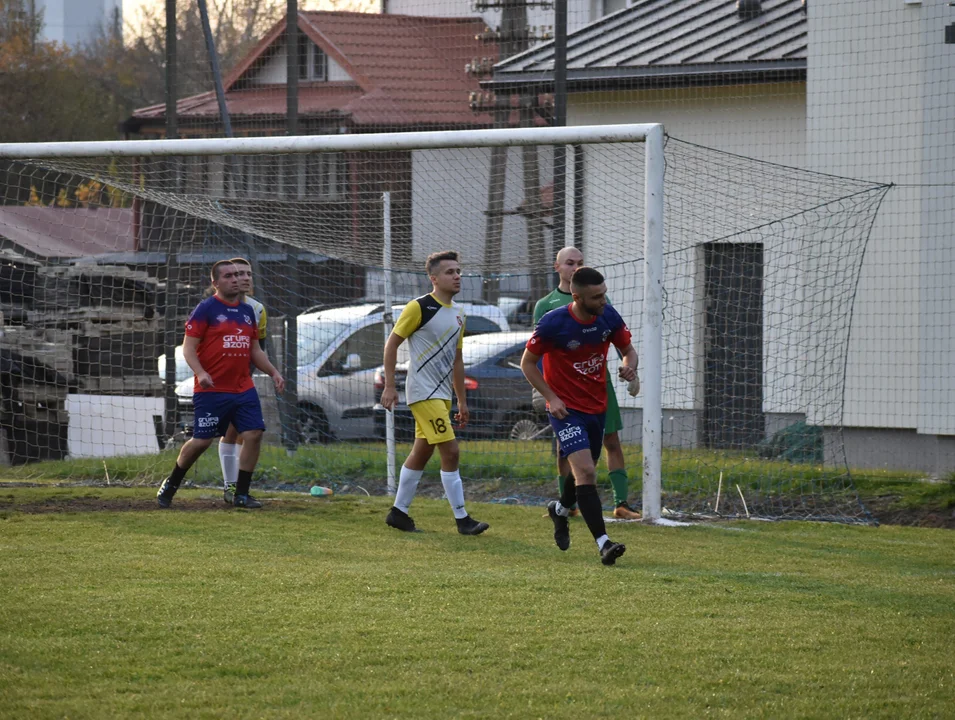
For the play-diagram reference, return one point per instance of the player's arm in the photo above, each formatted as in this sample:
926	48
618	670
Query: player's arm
389	396
264	330
261	361
263	324
628	369
463	414
408	322
190	351
534	376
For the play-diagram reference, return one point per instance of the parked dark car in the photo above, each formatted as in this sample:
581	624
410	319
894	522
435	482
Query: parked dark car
499	396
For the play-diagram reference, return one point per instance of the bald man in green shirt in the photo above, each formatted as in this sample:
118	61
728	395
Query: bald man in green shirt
568	260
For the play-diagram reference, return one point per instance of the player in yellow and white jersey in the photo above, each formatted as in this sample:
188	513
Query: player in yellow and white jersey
231	442
433	325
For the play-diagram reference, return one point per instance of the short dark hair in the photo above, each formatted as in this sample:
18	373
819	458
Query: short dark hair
240	261
434	259
218	264
585	277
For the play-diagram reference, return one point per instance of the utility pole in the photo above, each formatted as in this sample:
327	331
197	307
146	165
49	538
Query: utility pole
171	318
560	120
289	401
512	37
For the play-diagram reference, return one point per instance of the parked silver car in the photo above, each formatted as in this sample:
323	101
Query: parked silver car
338	352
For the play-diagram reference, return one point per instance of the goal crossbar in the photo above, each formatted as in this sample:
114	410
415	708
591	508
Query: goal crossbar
301	144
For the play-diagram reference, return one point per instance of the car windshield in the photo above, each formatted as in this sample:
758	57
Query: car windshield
477	352
315	337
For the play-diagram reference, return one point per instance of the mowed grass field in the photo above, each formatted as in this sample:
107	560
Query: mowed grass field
312	607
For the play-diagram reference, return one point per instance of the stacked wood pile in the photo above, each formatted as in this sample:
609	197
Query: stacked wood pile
110	313
69	329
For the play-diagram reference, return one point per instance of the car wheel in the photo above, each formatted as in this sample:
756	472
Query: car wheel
525	427
313	426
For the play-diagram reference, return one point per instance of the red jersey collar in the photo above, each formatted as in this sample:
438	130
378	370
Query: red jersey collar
570	309
226	303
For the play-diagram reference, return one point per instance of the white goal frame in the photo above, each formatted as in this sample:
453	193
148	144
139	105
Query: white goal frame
651	134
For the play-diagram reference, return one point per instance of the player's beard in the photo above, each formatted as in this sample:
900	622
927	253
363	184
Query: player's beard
595	309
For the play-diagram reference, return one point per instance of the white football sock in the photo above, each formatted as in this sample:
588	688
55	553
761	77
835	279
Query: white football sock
229	461
455	492
561	510
407	486
601	540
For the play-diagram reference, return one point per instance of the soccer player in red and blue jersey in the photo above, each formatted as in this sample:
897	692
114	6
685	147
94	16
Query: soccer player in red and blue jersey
573	340
221	345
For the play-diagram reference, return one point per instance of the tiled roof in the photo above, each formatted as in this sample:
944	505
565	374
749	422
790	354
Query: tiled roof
667	39
407	71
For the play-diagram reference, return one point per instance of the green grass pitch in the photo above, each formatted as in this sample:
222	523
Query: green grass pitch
314	608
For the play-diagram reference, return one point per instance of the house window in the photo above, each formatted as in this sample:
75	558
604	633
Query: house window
303	45
612	6
320	176
319	64
196	174
312	61
325	175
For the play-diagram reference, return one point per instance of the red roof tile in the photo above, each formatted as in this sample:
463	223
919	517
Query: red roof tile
407	71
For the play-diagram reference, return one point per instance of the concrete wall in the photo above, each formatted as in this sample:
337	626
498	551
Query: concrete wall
893	449
682	428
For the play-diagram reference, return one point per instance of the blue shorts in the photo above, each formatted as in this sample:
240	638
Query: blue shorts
215	411
579	431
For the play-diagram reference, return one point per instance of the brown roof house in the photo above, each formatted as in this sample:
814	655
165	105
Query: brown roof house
358	73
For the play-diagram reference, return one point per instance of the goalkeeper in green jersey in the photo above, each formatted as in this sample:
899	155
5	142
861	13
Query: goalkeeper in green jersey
567	262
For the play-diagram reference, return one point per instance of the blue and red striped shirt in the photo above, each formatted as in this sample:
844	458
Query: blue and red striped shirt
575	355
226	333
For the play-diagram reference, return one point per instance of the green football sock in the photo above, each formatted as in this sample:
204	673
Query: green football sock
561	480
620	484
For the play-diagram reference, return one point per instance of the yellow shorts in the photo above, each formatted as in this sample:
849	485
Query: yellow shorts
432	421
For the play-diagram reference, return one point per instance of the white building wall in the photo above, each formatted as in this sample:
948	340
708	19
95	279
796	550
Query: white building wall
877	109
275	70
449	204
766	122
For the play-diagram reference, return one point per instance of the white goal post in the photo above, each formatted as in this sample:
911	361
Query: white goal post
650	134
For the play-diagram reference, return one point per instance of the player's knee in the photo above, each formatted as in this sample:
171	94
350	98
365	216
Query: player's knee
195	446
612	442
585	473
450	453
252	436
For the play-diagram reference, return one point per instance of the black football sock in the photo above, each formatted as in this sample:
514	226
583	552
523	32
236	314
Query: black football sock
243	482
568	496
589	503
176	476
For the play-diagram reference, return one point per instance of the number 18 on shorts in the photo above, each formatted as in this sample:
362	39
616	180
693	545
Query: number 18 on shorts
432	421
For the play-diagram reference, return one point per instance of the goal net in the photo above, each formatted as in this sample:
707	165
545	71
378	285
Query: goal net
108	248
